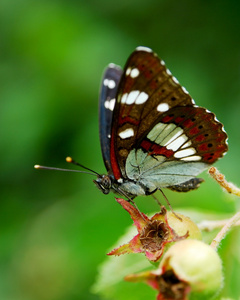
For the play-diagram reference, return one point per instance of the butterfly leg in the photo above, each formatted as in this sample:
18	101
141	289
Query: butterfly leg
163	208
159	203
129	199
186	186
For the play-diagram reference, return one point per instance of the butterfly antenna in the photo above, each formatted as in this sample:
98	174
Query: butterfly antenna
60	169
70	160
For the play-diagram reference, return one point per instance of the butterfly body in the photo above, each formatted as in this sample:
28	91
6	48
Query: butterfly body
152	134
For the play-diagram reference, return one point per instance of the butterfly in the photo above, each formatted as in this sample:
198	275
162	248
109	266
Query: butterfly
152	134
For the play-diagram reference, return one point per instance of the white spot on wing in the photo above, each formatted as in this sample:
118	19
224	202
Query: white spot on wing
134	73
172	136
124	98
146	49
168	72
105	82
109	83
163	107
175	145
142	98
132	97
126	133
110	104
184	153
192	158
128	71
184	89
175	80
106	104
189	143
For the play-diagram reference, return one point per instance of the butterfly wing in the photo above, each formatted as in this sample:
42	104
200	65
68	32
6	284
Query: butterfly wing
158	134
110	82
184	142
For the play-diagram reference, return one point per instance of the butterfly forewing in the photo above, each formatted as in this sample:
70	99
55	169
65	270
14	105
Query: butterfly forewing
110	82
146	90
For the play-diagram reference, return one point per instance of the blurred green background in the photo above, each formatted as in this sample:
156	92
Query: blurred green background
55	227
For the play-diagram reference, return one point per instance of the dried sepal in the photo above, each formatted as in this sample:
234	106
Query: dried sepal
155	233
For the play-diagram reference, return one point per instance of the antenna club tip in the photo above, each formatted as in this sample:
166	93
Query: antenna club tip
69	159
36	167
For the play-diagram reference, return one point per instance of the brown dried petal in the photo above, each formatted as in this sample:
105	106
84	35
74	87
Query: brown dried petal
153	235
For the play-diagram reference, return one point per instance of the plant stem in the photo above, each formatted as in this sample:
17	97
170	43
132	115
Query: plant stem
226	228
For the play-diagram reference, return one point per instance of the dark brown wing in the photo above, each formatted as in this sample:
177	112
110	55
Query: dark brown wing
147	90
107	99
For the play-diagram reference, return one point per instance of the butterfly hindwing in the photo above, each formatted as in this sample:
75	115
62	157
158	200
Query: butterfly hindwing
179	147
188	133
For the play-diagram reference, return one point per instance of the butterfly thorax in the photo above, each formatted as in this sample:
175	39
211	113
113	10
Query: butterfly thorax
127	187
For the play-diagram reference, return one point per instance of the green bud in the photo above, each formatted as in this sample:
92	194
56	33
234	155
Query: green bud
194	264
181	227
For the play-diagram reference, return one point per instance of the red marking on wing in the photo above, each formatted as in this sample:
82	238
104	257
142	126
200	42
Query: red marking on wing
148	74
128	120
221	137
212	154
153	84
200	138
203	147
194	131
167	119
188	123
155	149
210	157
178	120
114	164
221	148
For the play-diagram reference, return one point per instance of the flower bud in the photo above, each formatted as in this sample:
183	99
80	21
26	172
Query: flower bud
184	225
189	270
157	233
190	266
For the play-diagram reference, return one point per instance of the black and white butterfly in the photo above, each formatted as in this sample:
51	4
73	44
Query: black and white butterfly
152	134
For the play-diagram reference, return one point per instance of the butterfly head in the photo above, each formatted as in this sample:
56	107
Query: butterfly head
103	183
